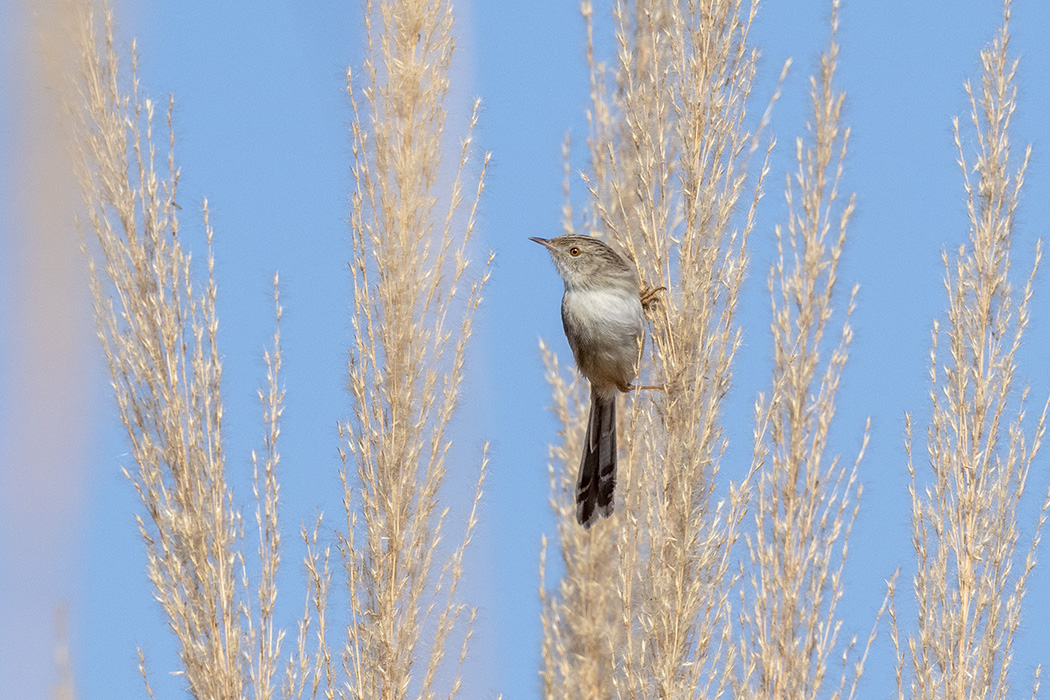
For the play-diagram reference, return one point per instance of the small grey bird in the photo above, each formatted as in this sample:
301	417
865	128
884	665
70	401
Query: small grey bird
602	316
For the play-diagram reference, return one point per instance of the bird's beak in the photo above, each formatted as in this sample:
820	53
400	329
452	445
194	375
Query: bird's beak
542	241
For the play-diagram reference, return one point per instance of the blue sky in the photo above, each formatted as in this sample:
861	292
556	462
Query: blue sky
261	121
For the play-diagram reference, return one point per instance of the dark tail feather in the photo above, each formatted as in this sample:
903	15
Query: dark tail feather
597	481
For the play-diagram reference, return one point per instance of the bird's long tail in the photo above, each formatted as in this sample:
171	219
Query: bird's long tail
597	480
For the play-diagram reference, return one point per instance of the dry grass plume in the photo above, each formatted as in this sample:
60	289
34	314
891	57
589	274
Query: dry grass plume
805	501
670	158
972	560
415	295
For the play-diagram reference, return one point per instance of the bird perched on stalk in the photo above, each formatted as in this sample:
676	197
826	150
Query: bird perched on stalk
601	312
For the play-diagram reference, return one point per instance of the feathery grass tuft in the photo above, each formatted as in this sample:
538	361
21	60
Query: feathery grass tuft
159	334
669	178
805	504
971	577
415	295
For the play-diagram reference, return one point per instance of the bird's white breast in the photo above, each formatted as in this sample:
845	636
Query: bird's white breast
605	315
604	328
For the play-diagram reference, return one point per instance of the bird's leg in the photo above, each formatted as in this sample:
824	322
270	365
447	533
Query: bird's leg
648	295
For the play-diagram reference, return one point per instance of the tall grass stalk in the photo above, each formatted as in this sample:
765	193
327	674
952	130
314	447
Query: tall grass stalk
415	295
159	333
670	157
582	634
264	636
805	502
973	563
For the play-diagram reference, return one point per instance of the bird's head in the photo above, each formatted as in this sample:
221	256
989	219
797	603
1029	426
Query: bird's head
586	262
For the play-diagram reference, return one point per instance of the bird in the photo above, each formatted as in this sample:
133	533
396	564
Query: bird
601	312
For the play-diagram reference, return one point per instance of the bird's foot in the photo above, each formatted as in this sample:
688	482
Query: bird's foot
648	295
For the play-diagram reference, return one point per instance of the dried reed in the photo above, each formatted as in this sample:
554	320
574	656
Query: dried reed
668	174
412	320
965	524
805	504
159	336
411	231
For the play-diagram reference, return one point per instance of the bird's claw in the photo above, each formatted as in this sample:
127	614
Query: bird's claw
648	295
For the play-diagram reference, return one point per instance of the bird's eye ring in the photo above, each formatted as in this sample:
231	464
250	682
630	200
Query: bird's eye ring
574	251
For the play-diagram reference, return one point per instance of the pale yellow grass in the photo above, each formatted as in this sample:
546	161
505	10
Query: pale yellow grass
646	606
973	561
806	501
159	336
669	174
415	294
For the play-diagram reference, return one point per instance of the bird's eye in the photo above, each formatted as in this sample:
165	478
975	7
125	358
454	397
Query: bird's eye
574	251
